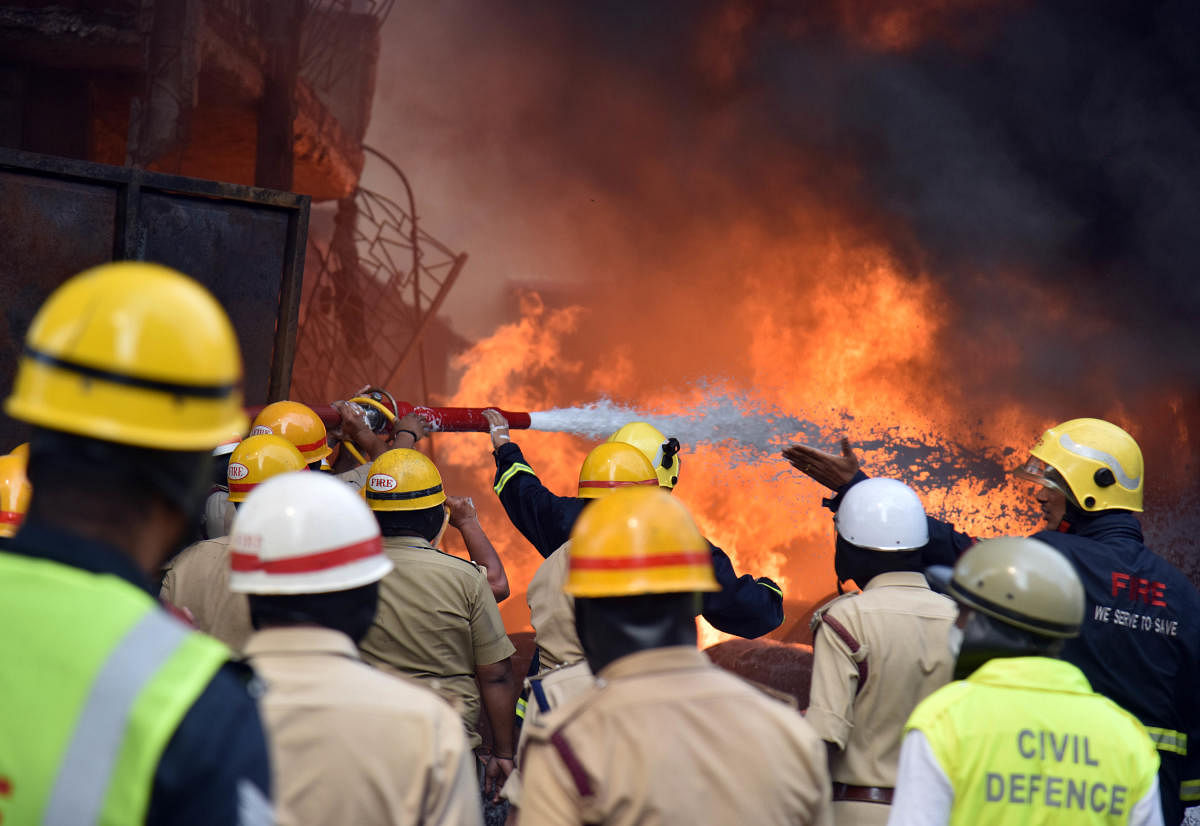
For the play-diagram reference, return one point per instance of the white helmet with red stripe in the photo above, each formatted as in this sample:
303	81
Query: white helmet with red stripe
304	533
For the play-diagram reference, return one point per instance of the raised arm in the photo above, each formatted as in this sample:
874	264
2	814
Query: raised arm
464	518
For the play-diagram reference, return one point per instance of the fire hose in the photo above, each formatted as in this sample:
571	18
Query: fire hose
383	411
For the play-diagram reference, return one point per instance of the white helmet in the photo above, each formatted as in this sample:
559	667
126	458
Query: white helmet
304	533
883	515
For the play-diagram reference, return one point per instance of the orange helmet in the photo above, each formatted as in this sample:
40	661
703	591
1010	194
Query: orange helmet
297	423
611	466
256	459
638	541
15	492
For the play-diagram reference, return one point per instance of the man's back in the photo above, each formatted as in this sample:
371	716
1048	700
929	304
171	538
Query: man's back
650	744
437	620
103	666
1024	740
552	612
861	700
353	745
198	580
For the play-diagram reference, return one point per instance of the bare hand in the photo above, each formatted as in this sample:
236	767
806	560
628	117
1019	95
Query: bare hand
498	427
829	469
462	509
497	771
413	424
354	421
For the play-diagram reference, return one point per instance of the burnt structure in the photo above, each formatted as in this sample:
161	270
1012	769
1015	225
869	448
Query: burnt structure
268	93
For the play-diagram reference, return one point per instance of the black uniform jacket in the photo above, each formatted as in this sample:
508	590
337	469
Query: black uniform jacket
219	746
745	606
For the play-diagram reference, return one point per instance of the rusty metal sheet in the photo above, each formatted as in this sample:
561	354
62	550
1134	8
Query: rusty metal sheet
246	244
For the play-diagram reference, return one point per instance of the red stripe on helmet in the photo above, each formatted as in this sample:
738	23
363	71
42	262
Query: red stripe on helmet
640	562
242	487
323	561
618	484
319	443
11	518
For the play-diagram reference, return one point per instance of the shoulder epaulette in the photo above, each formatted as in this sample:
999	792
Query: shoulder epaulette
858	653
819	615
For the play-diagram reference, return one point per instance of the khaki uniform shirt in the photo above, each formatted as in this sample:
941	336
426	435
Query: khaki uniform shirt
652	744
350	744
552	611
198	580
557	686
437	621
902	627
355	477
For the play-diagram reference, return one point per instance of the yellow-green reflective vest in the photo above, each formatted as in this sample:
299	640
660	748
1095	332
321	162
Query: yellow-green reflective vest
95	680
1025	740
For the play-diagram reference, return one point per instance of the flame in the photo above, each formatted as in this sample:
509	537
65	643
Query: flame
722	238
865	342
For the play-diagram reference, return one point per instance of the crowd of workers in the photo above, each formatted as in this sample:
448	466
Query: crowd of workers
316	658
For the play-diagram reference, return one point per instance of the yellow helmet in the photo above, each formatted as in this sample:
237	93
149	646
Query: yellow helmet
21	450
1022	582
296	422
661	452
638	541
1096	464
15	492
256	459
403	480
611	466
132	353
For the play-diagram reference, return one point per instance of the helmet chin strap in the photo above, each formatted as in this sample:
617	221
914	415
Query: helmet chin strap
437	540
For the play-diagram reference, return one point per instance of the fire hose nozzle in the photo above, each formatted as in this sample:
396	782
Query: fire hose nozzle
463	419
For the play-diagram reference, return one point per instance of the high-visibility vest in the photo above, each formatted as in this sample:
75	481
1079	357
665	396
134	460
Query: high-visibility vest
1025	740
95	680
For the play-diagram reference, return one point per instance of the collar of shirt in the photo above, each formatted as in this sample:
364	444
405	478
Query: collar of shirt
907	579
300	639
656	660
42	541
1041	673
407	542
1108	523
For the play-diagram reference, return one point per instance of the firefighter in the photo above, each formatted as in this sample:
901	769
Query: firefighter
661	452
878	653
743	606
651	741
111	710
349	743
1140	641
300	425
197	581
437	618
559	670
1021	737
218	517
15	492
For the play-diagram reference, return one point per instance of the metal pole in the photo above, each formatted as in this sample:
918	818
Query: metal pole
414	242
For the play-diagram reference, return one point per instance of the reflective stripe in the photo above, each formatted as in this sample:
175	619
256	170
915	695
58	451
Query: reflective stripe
771	587
518	467
1168	739
1106	459
1189	790
87	767
522	704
